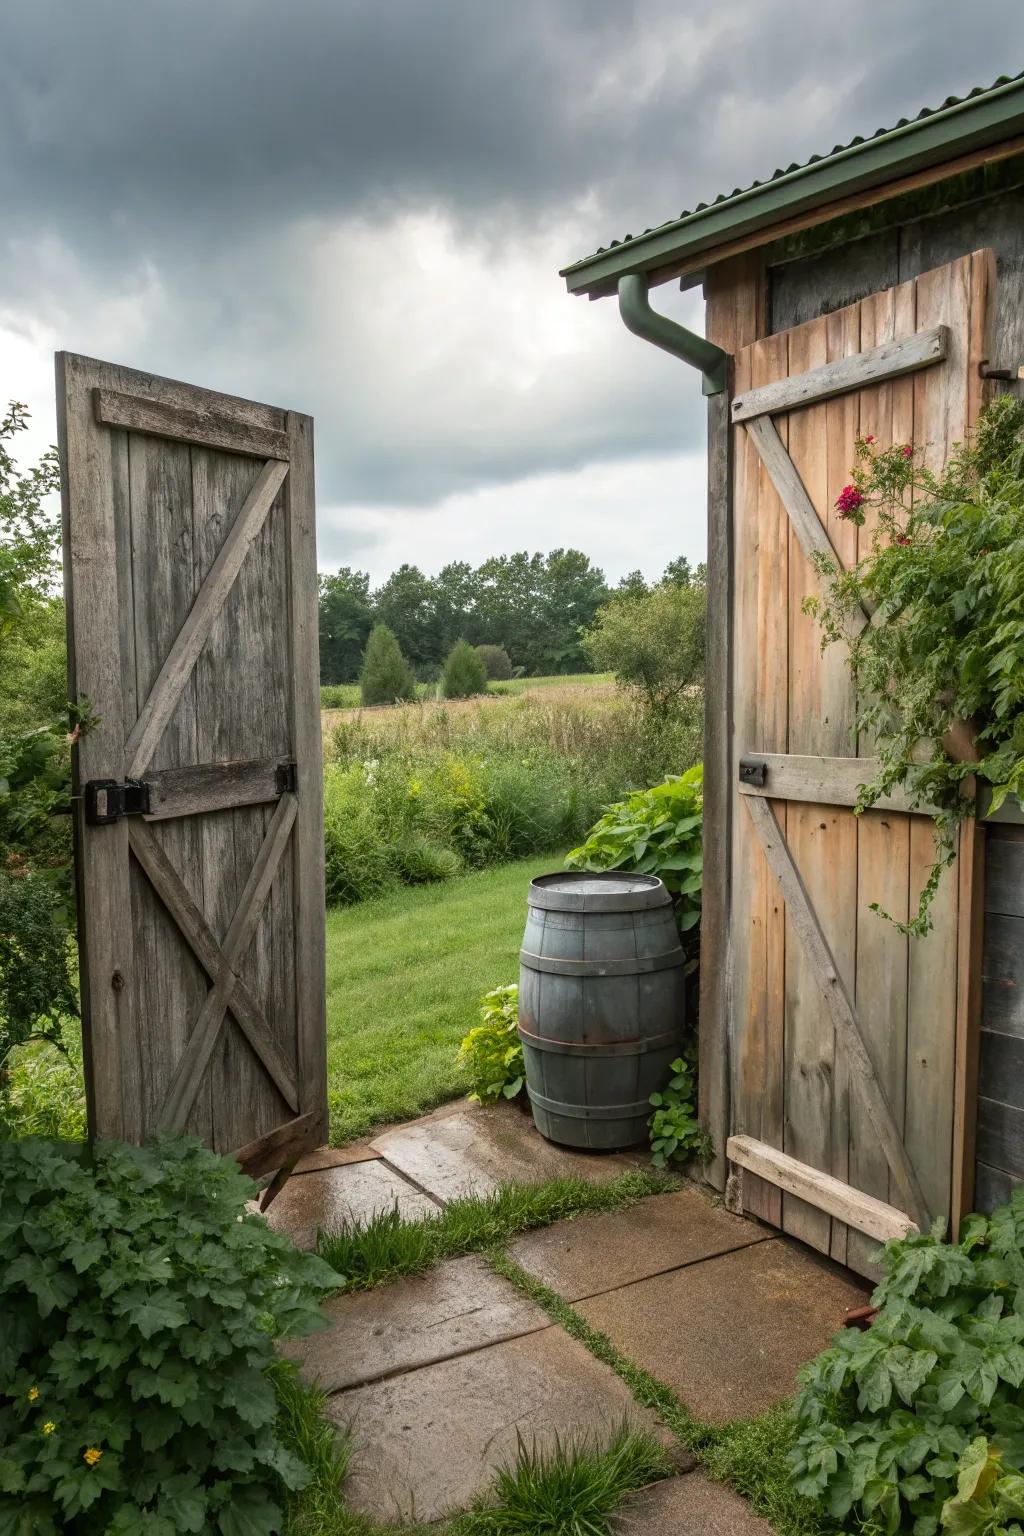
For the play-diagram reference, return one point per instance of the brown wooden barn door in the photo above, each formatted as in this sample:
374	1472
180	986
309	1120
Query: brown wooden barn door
190	573
848	1040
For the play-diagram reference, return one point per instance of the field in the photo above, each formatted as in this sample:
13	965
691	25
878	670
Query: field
336	698
405	974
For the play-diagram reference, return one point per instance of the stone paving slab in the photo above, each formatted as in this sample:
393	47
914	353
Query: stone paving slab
603	1250
688	1506
728	1334
331	1196
333	1157
469	1151
429	1441
460	1306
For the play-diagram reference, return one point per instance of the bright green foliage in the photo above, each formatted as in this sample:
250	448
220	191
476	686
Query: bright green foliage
45	1089
676	1132
655	832
497	662
372	1252
946	570
989	1500
37	998
653	642
465	672
385	677
491	1055
346	618
141	1307
571	1489
885	1416
659	832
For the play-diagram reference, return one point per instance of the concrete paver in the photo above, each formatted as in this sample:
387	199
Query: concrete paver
728	1334
470	1151
429	1441
460	1306
604	1250
332	1196
333	1157
688	1506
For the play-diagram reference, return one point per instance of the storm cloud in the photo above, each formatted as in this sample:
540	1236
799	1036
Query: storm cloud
359	209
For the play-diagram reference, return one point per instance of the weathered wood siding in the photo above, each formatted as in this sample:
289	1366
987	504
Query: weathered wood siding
1000	1142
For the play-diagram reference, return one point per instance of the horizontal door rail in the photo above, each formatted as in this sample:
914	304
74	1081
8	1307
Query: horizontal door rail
864	1212
822	780
205	428
890	360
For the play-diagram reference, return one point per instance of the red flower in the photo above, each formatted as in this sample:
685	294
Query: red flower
901	538
908	451
848	500
869	438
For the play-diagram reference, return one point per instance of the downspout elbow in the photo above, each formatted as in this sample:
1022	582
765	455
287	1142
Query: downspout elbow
642	320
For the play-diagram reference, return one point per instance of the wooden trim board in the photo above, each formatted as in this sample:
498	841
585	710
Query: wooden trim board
890	360
872	1217
824	781
185	424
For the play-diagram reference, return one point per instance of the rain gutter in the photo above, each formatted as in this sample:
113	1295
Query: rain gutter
660	331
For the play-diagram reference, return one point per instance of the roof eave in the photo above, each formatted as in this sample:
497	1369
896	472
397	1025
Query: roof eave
970	125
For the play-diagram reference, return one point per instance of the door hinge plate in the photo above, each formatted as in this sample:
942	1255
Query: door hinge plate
287	777
107	800
753	770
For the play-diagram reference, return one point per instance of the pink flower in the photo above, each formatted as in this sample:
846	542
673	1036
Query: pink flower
869	438
848	500
901	538
908	451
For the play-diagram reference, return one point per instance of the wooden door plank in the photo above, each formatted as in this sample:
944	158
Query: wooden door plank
840	1009
200	426
175	896
1001	1136
850	1205
852	371
825	780
206	1028
89	461
310	954
182	656
1004	876
813	537
194	791
715	928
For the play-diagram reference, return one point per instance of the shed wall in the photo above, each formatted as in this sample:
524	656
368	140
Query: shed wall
1000	1142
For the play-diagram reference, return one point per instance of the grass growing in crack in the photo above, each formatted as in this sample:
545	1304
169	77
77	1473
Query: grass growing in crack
372	1252
568	1490
318	1510
748	1455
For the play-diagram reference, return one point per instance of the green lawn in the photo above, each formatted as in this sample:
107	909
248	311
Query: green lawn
404	979
346	695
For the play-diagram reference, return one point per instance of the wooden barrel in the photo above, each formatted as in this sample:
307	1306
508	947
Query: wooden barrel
601	1004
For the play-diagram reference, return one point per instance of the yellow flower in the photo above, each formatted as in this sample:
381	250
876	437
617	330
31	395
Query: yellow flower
49	1427
33	1393
91	1456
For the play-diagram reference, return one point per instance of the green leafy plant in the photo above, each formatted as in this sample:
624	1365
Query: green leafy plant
141	1307
676	1133
497	662
886	1416
385	677
940	672
989	1501
653	641
464	673
492	1053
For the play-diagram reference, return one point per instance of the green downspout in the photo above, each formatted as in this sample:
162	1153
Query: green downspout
642	320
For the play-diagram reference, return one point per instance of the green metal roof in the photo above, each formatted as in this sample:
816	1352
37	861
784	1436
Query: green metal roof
962	123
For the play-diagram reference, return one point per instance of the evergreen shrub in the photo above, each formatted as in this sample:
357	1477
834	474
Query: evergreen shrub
386	677
465	673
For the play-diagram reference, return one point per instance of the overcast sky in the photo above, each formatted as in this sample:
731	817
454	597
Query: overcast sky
359	207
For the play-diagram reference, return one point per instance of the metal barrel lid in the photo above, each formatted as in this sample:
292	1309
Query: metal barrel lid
597	891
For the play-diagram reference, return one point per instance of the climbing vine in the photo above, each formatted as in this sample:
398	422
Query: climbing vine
940	669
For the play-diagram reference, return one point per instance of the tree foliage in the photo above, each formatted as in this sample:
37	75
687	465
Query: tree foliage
653	642
346	618
465	673
385	677
497	662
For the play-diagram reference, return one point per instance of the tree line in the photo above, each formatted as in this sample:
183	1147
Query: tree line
534	606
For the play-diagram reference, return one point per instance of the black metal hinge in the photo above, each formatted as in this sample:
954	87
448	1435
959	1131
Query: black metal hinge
287	776
107	800
753	770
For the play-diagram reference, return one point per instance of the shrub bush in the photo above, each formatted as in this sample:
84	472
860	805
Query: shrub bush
385	677
885	1418
497	662
491	1054
141	1307
464	672
653	642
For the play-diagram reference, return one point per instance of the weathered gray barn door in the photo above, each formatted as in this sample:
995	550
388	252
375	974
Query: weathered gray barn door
190	575
851	1045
